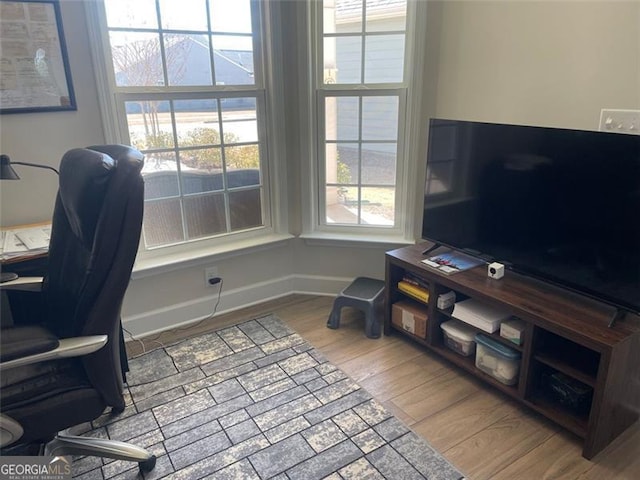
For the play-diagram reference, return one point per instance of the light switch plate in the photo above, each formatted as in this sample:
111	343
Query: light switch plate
620	121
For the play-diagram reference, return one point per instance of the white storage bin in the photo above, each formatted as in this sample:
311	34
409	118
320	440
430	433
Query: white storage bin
498	360
480	315
459	337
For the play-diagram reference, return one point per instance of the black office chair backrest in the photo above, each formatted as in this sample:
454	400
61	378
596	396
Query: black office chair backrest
96	228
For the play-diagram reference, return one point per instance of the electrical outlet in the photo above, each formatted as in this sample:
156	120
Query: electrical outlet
211	273
620	121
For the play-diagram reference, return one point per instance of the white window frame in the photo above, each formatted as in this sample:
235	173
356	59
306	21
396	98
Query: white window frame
268	90
412	128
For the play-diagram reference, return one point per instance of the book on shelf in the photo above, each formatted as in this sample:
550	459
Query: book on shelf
452	262
415	280
419	293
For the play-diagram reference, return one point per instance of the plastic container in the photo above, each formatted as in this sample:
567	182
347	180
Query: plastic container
497	360
569	392
459	337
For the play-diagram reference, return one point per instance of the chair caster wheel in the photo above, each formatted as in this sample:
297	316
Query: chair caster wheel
117	410
148	464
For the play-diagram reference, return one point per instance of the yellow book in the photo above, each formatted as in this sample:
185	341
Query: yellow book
414	291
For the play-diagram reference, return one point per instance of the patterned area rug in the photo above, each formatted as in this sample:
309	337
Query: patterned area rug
256	401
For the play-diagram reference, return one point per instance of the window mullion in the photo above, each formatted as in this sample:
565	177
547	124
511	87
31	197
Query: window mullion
360	106
225	189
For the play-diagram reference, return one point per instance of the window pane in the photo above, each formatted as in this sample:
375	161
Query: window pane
380	118
365	206
341	162
160	175
162	223
233	59
330	75
239	120
386	16
342	205
197	122
379	163
243	165
342	118
188	59
377	206
232	16
245	207
384	60
125	13
360	206
345	17
149	124
202	170
348	59
137	60
204	215
183	14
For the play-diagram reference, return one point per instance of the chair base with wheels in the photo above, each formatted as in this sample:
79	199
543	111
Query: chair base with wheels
64	444
365	294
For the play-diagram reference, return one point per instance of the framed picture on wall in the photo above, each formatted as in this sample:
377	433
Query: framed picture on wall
34	68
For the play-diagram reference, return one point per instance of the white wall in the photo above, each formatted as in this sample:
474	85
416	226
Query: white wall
543	63
529	62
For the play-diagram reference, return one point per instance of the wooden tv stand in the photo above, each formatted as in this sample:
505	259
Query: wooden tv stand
565	333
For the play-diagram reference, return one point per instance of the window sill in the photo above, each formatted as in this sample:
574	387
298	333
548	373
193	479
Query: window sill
355	240
146	267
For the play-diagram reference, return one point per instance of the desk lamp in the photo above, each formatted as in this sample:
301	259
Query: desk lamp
8	173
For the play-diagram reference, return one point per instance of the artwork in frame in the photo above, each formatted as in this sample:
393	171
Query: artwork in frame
34	68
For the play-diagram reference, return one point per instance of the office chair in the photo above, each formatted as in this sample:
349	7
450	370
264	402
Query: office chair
64	369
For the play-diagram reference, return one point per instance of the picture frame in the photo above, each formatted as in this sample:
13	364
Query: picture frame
34	67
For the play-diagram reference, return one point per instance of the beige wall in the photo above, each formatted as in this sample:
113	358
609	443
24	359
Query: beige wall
549	63
544	63
44	137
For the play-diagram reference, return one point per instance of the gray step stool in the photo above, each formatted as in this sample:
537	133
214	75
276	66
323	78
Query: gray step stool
365	294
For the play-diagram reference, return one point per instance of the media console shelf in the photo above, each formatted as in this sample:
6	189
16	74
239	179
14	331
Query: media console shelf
565	334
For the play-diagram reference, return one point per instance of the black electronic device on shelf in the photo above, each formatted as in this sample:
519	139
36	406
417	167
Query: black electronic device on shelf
557	204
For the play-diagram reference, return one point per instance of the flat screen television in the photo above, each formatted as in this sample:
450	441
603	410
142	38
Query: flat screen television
557	204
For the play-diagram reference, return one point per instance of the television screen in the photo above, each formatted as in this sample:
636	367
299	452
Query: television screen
561	205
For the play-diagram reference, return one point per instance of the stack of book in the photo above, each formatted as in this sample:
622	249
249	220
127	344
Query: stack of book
414	287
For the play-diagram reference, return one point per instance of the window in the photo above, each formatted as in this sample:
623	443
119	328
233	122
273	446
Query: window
362	95
187	90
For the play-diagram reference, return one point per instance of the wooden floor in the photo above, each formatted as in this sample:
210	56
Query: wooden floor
482	432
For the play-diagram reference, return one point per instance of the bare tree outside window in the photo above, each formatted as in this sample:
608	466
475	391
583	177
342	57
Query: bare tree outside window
139	63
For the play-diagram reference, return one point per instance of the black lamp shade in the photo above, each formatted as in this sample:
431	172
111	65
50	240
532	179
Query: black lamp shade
6	170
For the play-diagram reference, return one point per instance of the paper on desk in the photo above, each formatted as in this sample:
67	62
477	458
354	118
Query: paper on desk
11	243
36	237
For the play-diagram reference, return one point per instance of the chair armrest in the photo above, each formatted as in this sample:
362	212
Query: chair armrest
23	284
23	341
33	344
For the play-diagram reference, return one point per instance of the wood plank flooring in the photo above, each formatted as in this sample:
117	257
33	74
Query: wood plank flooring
484	433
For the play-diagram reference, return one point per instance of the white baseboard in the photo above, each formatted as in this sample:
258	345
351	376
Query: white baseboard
183	314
